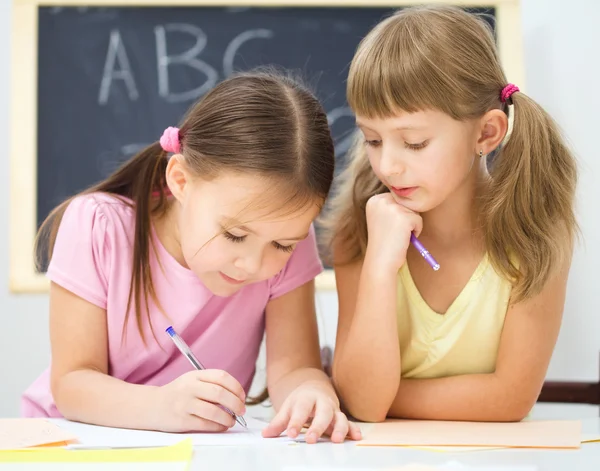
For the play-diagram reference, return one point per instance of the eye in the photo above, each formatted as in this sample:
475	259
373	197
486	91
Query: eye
421	145
372	143
283	248
233	238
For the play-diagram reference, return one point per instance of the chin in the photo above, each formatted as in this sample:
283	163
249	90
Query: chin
220	288
223	290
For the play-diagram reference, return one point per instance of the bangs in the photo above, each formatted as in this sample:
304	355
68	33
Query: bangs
386	74
282	200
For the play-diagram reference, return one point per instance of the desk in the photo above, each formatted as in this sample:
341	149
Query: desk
325	456
347	456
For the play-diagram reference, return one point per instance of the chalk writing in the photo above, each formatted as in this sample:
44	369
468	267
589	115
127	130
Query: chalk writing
188	58
116	53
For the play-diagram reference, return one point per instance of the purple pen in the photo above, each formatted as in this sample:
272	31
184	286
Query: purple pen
423	251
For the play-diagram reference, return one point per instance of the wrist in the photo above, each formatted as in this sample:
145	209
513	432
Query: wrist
378	267
152	400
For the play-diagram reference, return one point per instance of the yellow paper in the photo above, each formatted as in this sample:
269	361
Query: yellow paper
425	433
181	451
23	433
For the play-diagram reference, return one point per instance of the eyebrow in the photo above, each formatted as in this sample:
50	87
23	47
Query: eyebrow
399	128
234	222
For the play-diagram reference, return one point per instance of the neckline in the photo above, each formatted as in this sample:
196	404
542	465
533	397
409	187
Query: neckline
456	305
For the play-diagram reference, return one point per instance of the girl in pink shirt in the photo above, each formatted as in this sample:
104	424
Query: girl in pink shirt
208	230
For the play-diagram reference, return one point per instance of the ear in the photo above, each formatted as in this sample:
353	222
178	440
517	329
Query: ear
493	129
177	176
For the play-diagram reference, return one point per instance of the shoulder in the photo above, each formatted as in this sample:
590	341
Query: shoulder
94	235
103	205
109	214
101	223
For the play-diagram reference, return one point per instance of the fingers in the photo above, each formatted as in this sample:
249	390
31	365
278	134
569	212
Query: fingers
197	424
224	379
213	415
343	428
414	219
417	222
278	424
340	428
324	416
300	414
217	394
354	433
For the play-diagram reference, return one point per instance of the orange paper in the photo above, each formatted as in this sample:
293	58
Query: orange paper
24	433
529	434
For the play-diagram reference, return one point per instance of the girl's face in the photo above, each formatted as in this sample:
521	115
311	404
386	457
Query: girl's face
233	232
422	157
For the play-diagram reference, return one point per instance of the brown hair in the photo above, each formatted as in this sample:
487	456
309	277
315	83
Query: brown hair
260	122
444	58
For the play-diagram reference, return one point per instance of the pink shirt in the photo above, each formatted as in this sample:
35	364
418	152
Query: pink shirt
93	259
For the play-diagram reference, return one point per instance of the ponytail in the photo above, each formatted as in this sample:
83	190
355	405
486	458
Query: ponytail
141	180
528	212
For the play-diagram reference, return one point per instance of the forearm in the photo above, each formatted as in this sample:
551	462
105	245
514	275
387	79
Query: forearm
366	370
477	397
283	387
93	397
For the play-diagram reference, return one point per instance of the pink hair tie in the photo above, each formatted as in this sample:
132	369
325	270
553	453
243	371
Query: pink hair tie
169	141
507	91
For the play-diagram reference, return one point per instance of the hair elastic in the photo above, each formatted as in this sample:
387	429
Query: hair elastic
169	141
507	91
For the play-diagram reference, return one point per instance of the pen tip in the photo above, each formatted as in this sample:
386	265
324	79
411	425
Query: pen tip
169	330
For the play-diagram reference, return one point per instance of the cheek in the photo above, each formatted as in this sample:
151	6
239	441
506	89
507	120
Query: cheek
199	246
274	262
374	160
449	168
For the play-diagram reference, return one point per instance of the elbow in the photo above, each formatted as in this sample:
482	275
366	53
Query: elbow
367	414
515	409
62	394
357	408
360	404
61	401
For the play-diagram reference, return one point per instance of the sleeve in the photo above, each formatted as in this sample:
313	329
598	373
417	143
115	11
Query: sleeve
304	265
80	259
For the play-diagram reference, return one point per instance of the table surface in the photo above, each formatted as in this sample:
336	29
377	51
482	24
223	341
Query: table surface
328	457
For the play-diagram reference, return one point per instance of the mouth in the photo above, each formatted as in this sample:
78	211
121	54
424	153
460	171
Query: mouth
404	192
230	280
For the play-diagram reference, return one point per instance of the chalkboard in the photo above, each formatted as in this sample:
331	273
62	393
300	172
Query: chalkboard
110	79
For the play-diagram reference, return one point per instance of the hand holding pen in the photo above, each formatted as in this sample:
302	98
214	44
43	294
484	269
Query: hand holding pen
391	227
202	400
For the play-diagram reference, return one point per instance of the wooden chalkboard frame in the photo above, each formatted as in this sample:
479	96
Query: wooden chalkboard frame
23	278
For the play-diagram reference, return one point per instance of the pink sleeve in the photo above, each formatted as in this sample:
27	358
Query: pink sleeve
304	265
80	259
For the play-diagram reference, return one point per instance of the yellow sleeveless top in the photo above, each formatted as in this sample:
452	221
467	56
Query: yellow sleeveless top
465	339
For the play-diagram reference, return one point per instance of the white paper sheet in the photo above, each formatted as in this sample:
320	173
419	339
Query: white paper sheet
92	436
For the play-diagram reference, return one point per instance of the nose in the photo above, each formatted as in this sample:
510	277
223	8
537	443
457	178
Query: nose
390	163
250	263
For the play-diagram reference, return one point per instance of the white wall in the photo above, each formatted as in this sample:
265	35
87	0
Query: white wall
563	74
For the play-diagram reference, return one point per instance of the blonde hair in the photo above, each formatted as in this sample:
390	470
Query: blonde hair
444	58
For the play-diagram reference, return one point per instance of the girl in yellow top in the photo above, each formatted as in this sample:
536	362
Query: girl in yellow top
471	341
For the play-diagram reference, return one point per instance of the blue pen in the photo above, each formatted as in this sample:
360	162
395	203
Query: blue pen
187	352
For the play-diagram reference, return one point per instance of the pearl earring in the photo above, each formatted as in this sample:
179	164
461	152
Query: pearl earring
480	153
